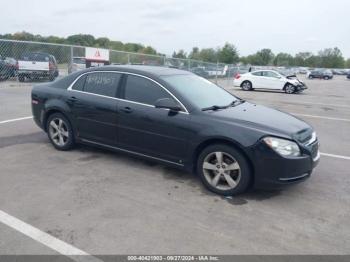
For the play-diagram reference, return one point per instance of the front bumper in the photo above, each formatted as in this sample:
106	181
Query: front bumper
275	171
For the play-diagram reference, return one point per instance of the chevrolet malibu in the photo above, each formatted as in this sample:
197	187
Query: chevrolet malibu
179	119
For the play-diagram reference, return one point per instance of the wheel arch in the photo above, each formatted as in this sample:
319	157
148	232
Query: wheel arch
52	111
246	80
211	141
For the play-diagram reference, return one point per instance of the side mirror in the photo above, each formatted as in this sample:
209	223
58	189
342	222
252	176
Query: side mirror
168	104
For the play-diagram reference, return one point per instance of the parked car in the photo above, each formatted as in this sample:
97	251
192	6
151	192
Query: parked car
348	75
12	65
177	118
269	79
322	74
200	72
37	65
6	70
77	63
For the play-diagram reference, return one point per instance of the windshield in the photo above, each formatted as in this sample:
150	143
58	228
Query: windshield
199	91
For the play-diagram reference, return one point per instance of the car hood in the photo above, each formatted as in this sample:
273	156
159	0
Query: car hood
265	119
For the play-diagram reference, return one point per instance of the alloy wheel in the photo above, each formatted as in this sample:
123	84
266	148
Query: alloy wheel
289	89
221	170
246	86
58	131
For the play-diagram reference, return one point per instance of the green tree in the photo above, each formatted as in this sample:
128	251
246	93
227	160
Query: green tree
180	54
148	50
265	56
208	55
102	42
283	59
194	54
300	58
81	39
228	54
347	63
331	58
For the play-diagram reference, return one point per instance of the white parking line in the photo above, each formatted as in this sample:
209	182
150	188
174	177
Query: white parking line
323	117
336	156
15	119
46	239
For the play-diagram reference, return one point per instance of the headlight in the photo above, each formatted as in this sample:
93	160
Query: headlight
283	146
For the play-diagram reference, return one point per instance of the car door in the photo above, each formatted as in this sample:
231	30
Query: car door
145	129
256	79
94	106
272	80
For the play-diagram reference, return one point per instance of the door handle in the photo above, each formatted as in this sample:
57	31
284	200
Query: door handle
126	109
72	99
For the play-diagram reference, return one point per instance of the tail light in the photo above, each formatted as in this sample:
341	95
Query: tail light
237	76
17	66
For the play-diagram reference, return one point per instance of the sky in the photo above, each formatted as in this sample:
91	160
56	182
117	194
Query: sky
168	25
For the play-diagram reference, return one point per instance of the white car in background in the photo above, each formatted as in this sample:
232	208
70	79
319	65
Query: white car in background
77	64
269	79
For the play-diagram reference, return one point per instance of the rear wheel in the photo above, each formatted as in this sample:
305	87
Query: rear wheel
326	77
289	89
247	86
60	132
21	78
310	77
224	170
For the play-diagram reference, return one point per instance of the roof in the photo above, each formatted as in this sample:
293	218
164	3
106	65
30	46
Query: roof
141	69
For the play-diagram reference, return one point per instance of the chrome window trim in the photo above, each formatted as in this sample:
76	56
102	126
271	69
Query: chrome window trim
70	88
131	152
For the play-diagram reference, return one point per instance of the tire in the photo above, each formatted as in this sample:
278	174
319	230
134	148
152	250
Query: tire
247	85
232	177
21	78
311	77
326	77
60	132
289	89
52	78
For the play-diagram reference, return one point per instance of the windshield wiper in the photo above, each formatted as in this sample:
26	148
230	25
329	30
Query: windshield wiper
214	107
236	102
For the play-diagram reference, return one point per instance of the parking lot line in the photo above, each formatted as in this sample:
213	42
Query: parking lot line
336	156
322	117
15	119
55	244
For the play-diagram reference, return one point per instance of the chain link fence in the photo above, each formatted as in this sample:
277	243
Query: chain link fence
31	61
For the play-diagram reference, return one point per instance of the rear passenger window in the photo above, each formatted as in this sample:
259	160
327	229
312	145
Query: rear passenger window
102	83
141	90
79	84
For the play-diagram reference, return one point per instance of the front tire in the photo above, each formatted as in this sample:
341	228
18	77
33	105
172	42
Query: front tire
224	170
247	86
60	132
326	78
289	89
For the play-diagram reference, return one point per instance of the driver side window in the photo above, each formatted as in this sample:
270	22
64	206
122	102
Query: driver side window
270	74
142	90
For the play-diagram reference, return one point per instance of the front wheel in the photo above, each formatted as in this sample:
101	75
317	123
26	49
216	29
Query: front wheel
326	77
224	170
60	132
289	89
